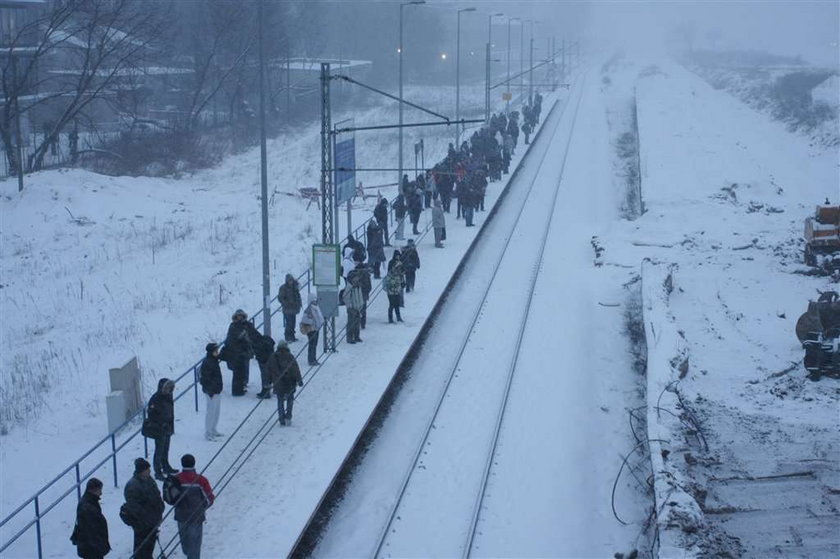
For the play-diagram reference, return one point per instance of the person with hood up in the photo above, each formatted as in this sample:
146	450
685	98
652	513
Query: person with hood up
380	212
90	534
393	284
289	297
160	426
196	497
145	506
439	224
411	263
210	377
376	246
285	373
310	325
239	350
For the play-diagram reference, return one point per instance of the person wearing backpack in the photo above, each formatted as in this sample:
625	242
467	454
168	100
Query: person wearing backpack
285	373
191	496
90	534
144	507
210	378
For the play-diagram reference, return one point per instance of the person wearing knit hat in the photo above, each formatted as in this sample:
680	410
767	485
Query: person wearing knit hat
239	350
210	377
145	506
195	498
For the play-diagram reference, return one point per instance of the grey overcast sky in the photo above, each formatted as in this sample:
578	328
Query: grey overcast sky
809	28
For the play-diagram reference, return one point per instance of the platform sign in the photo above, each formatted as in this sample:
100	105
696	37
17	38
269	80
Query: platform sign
344	150
326	266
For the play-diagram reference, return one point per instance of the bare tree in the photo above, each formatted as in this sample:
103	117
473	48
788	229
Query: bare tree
81	51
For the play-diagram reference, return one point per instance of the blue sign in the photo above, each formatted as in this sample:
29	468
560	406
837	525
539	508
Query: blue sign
345	170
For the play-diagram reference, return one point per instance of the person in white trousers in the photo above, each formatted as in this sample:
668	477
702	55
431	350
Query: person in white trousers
211	384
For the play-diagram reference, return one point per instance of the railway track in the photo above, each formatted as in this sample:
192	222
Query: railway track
451	457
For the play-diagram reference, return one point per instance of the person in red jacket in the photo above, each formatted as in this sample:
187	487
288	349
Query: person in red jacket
195	498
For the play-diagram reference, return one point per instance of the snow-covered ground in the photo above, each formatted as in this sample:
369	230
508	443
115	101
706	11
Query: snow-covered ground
726	191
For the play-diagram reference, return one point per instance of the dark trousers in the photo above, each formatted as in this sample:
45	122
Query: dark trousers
468	215
446	199
289	320
374	266
354	324
414	221
240	376
428	199
144	543
363	315
410	276
313	346
393	305
384	226
190	534
285	412
265	377
160	460
460	209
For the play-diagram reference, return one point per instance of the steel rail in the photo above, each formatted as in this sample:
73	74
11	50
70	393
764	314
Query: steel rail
515	358
454	368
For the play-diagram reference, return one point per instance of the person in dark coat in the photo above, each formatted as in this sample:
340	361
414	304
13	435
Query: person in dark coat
364	281
289	297
263	348
210	377
411	263
239	350
380	212
161	419
376	246
196	497
145	506
285	373
90	534
399	215
354	301
415	208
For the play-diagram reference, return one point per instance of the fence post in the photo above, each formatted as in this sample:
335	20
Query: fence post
78	483
114	457
195	386
38	527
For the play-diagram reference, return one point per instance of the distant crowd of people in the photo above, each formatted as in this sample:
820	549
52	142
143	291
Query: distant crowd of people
463	175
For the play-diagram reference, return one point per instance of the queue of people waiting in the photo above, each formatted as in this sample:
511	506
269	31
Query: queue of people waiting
463	175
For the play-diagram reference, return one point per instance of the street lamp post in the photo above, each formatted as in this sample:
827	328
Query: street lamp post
400	52
507	82
458	78
487	76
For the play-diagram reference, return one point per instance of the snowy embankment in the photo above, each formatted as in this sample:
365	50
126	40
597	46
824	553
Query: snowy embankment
752	452
676	510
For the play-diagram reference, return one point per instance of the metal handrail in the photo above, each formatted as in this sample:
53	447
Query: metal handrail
112	457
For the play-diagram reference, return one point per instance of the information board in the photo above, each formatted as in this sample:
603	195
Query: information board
325	265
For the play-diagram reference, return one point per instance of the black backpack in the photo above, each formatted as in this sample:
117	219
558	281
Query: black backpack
127	516
172	490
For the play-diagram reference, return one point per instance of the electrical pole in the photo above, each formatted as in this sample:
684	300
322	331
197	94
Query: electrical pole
458	77
400	52
264	182
327	187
